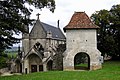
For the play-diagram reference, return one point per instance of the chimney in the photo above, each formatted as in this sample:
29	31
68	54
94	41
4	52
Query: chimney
58	24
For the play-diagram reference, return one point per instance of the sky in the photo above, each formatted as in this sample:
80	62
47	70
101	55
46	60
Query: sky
66	8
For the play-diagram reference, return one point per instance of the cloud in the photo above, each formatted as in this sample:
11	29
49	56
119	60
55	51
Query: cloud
66	8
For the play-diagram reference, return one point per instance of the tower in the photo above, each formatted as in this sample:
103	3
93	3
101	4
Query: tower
81	39
25	40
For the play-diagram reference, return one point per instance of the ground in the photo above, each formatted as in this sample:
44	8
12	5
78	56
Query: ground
110	71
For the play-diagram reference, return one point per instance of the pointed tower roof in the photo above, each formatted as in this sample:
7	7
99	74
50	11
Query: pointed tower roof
80	20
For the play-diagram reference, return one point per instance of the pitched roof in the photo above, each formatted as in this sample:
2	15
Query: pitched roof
80	20
56	32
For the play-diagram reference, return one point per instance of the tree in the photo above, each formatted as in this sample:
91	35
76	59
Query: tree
3	59
115	25
14	15
58	57
109	32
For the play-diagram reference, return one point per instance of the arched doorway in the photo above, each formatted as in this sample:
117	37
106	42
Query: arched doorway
50	65
18	66
81	61
35	63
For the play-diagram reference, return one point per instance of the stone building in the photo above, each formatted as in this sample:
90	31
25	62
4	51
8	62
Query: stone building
39	48
43	47
81	39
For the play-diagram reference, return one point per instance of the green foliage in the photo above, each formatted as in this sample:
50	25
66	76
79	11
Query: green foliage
3	59
80	58
58	57
14	15
81	61
11	54
109	32
110	71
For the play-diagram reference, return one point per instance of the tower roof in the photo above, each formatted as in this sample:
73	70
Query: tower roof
80	20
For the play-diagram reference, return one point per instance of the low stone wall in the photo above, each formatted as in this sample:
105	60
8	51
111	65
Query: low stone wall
3	70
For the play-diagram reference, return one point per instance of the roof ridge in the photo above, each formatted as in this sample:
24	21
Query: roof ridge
80	20
49	25
56	32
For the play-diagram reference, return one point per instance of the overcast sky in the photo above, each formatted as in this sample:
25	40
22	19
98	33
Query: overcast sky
66	8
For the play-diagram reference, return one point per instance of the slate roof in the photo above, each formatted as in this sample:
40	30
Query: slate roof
80	20
56	32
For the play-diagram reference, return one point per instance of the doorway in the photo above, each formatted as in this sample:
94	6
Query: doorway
33	68
40	67
50	65
81	61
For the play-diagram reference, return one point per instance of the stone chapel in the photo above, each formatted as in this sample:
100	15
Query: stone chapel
39	47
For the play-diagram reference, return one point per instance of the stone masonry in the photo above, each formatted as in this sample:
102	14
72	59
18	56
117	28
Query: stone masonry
81	37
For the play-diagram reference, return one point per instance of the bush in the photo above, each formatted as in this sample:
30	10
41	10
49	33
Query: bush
3	59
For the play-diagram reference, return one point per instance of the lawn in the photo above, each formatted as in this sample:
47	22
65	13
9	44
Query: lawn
82	64
110	71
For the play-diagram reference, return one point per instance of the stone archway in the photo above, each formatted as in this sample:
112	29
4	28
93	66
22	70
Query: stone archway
35	63
50	65
82	61
18	66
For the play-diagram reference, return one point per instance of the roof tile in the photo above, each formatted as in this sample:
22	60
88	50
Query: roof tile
80	20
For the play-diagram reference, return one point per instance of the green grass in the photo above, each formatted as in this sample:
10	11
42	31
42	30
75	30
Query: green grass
82	64
110	71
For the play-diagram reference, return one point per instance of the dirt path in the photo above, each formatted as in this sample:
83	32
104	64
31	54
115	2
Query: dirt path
9	74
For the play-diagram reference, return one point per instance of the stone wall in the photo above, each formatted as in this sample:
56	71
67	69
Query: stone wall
3	70
83	40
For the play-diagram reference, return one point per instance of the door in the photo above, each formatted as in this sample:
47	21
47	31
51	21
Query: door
33	68
40	67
